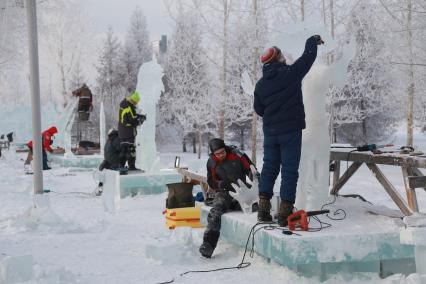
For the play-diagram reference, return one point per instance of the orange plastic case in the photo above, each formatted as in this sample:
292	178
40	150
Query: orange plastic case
183	217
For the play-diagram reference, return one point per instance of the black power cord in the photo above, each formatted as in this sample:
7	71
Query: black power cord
242	264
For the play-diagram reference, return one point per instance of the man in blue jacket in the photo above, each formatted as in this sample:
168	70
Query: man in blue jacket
278	100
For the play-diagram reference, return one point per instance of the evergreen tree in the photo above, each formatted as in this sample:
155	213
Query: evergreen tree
110	87
136	49
188	99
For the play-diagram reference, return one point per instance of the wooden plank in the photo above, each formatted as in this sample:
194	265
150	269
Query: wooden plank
410	191
188	176
336	173
191	175
417	182
205	188
418	173
383	159
345	177
390	189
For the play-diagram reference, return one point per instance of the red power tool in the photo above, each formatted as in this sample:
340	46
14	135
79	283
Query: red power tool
301	218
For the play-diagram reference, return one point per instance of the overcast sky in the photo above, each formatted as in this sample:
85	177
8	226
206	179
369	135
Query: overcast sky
116	13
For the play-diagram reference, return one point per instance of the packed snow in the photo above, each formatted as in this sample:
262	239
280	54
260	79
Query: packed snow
74	240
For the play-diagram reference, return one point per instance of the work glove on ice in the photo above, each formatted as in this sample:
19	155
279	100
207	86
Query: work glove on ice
246	196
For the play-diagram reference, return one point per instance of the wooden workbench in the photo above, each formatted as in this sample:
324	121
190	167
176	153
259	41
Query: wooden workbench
413	177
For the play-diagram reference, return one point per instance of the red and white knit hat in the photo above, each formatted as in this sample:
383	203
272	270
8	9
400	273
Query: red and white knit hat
270	55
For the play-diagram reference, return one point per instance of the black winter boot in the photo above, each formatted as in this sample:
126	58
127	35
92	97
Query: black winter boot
264	211
210	240
286	209
206	250
132	162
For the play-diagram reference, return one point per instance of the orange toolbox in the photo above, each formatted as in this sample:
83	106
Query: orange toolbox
183	217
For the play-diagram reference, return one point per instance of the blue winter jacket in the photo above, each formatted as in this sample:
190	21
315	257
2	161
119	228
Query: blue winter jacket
278	94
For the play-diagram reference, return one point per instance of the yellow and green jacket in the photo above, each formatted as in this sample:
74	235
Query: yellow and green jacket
127	120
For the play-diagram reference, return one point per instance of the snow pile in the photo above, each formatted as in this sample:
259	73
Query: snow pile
42	220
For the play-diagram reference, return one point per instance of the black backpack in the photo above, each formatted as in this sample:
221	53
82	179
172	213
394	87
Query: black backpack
180	195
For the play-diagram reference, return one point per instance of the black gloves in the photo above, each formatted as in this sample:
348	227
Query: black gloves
225	185
141	118
318	39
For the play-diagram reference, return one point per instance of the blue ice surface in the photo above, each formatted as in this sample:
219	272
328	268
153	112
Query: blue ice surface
147	183
79	161
322	254
416	236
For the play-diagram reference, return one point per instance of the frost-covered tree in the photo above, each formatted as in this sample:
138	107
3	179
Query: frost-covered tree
244	45
64	36
13	52
365	107
77	78
136	49
110	87
405	34
67	39
188	99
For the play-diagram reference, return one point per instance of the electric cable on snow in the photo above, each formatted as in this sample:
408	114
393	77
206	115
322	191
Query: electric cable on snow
274	226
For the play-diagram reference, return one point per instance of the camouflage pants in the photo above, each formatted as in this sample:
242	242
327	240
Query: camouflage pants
127	153
222	203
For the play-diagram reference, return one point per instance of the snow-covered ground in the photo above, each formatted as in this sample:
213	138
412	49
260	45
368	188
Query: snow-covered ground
76	241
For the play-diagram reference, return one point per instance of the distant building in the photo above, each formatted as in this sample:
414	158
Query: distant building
163	44
159	48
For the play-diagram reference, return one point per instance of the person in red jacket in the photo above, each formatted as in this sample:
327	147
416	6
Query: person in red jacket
46	138
226	165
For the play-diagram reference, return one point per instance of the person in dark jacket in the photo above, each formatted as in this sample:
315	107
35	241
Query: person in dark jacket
225	166
278	100
111	156
128	121
112	150
85	99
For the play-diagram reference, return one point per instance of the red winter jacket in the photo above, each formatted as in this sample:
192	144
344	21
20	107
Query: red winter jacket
46	137
220	174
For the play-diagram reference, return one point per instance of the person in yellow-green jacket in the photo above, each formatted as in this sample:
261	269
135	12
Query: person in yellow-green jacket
128	121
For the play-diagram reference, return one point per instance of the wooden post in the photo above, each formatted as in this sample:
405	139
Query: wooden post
345	177
418	173
411	192
254	79
336	173
390	189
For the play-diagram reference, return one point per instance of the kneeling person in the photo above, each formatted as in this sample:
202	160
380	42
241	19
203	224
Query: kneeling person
111	155
225	166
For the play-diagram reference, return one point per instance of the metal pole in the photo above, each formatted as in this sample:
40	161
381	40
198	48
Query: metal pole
35	94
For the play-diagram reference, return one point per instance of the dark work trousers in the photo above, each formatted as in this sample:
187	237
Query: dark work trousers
128	153
30	158
281	151
222	203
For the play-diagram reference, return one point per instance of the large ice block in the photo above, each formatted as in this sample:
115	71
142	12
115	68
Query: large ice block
416	236
147	183
15	269
140	183
111	191
81	161
347	246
